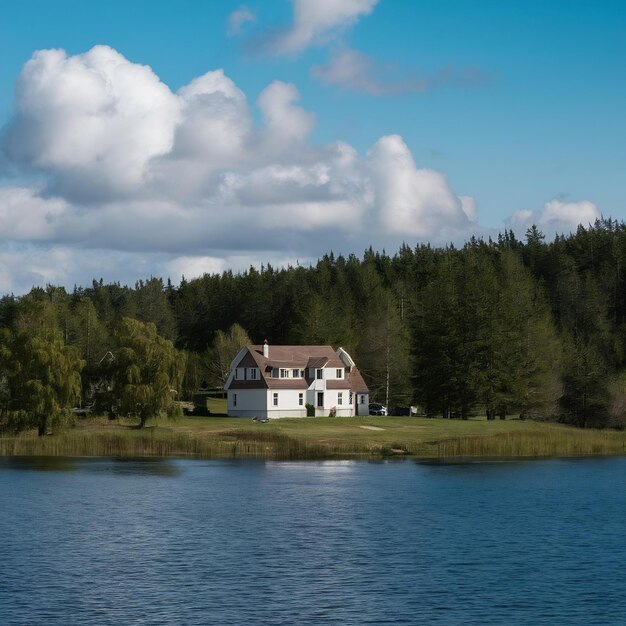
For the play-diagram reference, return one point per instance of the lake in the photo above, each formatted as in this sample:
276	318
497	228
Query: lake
161	541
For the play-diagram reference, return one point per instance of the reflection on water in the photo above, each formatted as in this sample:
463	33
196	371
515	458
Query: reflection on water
135	466
157	541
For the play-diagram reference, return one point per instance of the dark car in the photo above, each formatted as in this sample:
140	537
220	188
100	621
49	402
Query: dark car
377	409
400	410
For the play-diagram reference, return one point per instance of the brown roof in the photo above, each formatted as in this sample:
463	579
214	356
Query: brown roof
357	384
292	357
286	383
248	384
283	364
296	356
318	361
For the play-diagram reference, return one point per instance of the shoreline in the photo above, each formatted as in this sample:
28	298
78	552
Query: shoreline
418	439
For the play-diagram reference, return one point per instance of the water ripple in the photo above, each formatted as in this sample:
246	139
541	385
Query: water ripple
105	541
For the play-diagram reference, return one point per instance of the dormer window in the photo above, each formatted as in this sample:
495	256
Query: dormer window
284	373
339	373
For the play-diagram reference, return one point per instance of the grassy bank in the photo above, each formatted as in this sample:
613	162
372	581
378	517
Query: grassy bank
319	438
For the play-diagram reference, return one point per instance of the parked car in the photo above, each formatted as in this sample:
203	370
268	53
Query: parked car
400	410
377	409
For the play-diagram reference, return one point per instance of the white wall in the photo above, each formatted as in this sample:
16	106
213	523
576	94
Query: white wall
260	403
250	402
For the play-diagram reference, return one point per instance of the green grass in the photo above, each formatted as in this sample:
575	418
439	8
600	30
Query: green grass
217	406
318	438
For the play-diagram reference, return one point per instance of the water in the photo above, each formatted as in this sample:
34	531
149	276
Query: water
105	541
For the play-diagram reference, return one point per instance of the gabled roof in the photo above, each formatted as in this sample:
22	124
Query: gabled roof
295	357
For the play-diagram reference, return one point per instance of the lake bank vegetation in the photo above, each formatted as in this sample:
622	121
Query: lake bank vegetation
319	438
500	328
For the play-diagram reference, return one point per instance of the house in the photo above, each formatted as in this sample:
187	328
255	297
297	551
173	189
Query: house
279	381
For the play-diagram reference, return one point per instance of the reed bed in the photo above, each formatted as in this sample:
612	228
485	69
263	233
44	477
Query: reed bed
151	442
298	440
548	442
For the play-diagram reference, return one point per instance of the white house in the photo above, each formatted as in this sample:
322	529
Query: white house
279	381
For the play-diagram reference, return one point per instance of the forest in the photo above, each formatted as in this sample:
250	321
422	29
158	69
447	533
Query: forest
507	327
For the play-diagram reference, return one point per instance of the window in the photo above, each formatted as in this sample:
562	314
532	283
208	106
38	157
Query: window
274	372
361	399
350	398
318	374
275	400
340	397
301	399
320	398
296	373
284	373
339	373
238	375
234	399
253	373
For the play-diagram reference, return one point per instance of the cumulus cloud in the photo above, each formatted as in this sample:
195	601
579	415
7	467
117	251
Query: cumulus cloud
556	217
238	18
315	22
92	118
353	70
26	216
132	179
412	201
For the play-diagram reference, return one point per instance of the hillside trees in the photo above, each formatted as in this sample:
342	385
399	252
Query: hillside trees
535	326
483	336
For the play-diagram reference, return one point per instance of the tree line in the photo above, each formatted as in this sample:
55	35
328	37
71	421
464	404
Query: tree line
500	327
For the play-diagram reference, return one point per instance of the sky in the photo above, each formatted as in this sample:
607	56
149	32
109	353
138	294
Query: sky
177	138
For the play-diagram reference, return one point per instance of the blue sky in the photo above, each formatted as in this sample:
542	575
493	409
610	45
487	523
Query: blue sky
453	117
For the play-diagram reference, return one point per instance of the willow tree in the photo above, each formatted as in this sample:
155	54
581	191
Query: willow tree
41	379
148	371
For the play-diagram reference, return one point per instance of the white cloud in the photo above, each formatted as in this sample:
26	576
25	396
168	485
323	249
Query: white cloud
286	125
93	120
317	22
26	216
556	217
412	201
469	207
132	179
238	18
356	71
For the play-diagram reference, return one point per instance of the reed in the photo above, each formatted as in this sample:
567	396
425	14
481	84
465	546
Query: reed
151	442
549	442
318	439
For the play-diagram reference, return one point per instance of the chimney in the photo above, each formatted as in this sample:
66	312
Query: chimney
266	350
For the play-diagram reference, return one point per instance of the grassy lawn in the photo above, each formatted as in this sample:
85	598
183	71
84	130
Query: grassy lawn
218	437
